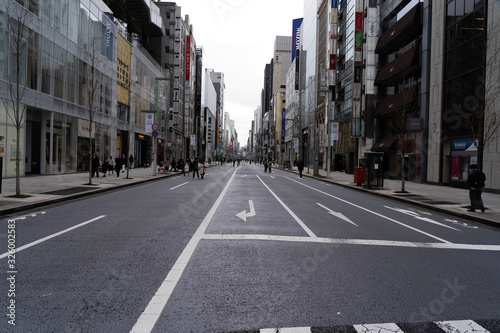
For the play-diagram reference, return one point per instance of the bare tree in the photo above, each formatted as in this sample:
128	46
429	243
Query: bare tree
92	86
17	19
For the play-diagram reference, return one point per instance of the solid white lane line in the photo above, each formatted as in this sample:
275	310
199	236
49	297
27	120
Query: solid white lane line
148	318
378	328
372	212
461	326
173	188
296	218
342	241
41	240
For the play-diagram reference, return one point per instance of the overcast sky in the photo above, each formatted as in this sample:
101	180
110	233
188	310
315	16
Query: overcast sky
237	37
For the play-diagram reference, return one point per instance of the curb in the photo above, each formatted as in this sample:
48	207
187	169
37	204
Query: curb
70	197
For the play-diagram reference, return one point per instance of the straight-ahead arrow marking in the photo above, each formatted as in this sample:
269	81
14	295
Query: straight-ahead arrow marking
243	215
337	214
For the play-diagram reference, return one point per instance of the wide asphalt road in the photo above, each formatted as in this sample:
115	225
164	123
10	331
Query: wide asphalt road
243	250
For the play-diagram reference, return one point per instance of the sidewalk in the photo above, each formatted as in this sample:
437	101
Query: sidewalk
444	199
48	189
58	188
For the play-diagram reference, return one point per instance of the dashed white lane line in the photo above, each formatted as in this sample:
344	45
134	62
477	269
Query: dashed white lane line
368	242
173	188
372	212
148	318
295	217
41	240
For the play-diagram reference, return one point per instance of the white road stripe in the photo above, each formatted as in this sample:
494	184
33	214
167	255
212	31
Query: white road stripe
287	330
148	318
173	188
372	212
461	326
41	240
378	328
368	242
296	218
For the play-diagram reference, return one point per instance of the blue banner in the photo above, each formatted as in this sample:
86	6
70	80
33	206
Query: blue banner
296	36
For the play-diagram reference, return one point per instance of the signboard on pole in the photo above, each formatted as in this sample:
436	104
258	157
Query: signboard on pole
193	140
150	120
335	131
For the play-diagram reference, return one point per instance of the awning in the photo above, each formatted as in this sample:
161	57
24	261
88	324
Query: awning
399	69
384	144
402	32
396	102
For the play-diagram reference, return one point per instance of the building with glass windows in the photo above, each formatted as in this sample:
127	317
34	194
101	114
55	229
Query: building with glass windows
88	84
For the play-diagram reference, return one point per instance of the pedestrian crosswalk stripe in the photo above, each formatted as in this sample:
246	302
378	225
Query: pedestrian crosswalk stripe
461	326
455	326
378	328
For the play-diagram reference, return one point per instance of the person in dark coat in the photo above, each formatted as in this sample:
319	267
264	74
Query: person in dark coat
174	165
118	165
476	181
131	162
95	165
300	166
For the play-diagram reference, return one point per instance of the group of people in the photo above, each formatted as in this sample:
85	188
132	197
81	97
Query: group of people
195	167
110	166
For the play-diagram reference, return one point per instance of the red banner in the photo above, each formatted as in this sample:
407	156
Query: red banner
188	57
358	25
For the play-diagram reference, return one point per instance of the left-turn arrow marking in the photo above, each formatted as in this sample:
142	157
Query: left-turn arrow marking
243	215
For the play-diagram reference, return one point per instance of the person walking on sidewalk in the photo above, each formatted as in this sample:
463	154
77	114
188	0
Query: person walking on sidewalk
111	165
95	165
181	166
174	165
124	162
195	167
203	169
131	162
118	165
476	181
300	166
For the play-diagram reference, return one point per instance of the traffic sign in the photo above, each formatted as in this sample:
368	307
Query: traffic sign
155	127
154	133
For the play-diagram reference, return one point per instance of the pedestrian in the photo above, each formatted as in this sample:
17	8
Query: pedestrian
265	166
131	162
104	167
111	165
181	166
118	165
174	165
476	181
300	166
124	162
203	170
95	165
195	167
269	166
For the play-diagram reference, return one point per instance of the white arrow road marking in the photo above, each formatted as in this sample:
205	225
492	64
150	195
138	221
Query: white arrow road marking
417	216
243	215
337	214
